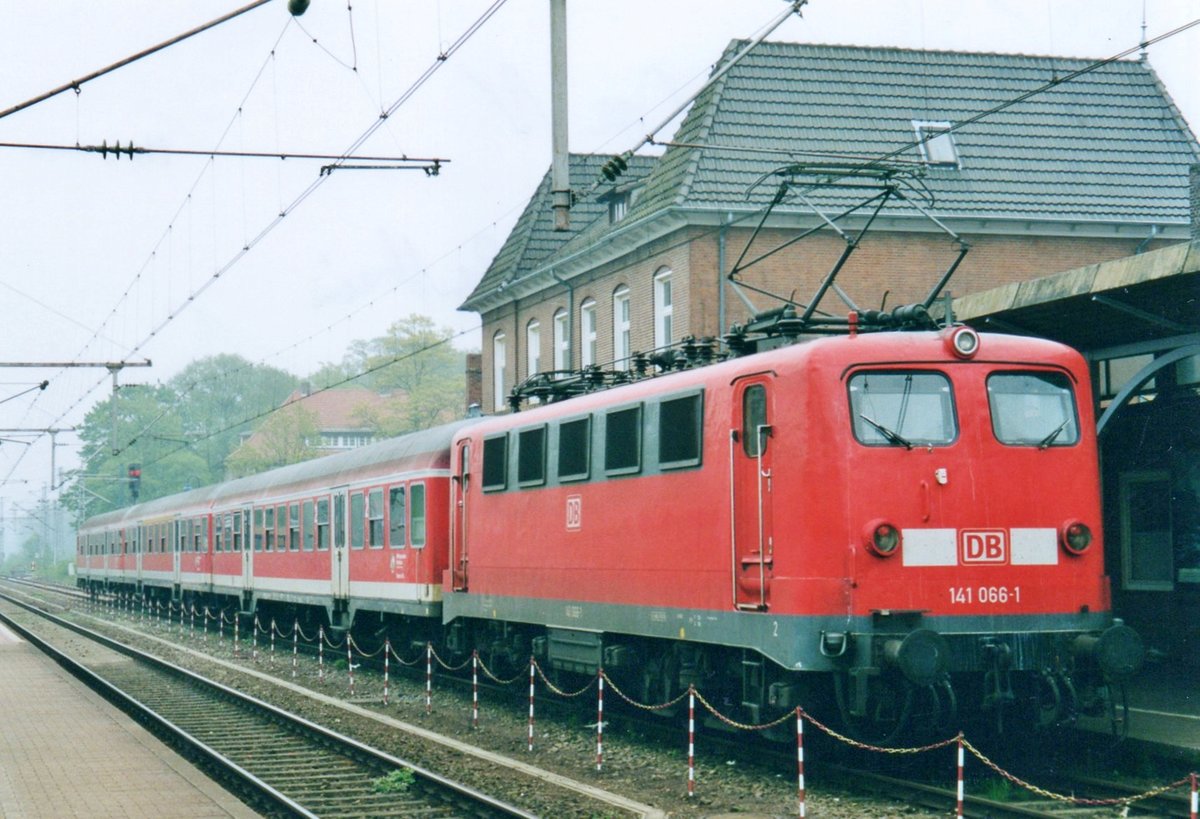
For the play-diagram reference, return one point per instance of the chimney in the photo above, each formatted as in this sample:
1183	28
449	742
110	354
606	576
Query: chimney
474	380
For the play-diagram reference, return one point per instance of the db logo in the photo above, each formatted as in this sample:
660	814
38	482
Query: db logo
574	513
983	546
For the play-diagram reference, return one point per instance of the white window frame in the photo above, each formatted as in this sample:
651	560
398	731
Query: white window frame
562	341
663	309
533	348
587	333
939	149
621	327
499	369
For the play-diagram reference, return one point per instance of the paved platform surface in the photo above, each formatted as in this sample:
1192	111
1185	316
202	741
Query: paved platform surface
65	752
1164	707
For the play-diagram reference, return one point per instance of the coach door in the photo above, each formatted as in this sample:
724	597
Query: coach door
459	489
339	553
750	487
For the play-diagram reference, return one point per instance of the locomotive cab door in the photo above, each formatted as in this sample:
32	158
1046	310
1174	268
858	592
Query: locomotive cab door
340	557
459	489
750	491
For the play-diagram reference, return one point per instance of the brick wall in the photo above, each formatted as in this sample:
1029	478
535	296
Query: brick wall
904	266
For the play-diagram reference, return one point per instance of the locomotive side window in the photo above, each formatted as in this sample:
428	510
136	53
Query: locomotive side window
902	409
495	463
375	519
357	512
397	512
1033	409
531	456
417	501
623	441
679	431
754	420
574	449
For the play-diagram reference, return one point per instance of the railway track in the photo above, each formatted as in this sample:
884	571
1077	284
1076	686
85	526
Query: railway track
282	764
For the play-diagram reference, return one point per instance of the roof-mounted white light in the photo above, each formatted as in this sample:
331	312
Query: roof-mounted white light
963	342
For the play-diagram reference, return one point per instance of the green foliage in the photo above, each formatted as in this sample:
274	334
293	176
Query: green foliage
398	781
281	440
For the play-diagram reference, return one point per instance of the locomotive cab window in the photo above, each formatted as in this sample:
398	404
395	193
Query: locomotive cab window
755	424
1033	409
907	409
623	441
679	431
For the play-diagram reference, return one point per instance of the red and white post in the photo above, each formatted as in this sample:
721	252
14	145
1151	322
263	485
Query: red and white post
959	812
800	764
429	678
321	653
475	688
295	641
1195	799
350	661
600	719
531	670
387	658
691	741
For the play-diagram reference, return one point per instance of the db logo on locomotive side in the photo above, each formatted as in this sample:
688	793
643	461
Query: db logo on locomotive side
983	546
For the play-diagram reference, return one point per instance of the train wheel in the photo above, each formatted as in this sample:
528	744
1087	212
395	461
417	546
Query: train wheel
886	711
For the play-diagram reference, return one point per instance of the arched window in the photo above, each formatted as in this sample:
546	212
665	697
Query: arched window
587	333
533	348
621	328
663	331
562	341
499	368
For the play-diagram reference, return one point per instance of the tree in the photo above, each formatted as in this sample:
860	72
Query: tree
415	358
281	440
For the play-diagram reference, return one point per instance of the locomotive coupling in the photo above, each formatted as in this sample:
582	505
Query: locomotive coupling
1118	650
922	656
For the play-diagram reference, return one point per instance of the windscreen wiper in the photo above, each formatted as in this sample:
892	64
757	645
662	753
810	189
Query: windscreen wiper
1049	439
891	436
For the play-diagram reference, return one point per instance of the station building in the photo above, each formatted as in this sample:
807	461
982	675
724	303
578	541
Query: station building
899	167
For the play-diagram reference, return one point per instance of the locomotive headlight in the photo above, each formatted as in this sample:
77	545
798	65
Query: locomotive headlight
881	537
963	342
1076	536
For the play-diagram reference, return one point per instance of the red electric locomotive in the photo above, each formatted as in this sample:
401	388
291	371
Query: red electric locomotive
890	523
877	526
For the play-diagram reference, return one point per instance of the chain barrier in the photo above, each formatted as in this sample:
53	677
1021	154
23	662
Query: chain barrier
554	688
1122	801
443	663
642	706
487	672
415	660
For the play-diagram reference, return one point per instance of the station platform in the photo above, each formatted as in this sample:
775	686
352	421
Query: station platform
65	751
1164	709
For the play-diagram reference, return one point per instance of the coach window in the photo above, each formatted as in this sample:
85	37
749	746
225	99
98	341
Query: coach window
574	449
237	531
269	528
339	520
218	535
258	529
531	456
495	463
309	529
1033	409
679	431
375	519
294	527
623	441
323	525
417	513
905	409
357	516
397	512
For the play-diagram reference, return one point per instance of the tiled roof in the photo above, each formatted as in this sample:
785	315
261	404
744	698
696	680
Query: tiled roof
533	238
341	409
1107	145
